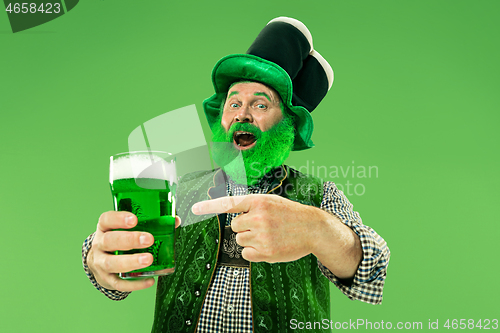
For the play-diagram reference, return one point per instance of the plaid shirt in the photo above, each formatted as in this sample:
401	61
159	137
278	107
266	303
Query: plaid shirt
227	306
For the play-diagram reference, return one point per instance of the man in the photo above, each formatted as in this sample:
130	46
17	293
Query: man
266	260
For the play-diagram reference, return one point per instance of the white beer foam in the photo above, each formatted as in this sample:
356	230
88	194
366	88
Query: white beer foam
143	166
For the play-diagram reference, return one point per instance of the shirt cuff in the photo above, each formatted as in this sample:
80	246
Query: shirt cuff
368	282
114	295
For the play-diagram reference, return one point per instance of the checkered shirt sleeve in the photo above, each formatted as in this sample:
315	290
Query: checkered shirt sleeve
115	295
368	282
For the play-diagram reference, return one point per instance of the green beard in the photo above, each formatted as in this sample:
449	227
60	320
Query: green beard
270	151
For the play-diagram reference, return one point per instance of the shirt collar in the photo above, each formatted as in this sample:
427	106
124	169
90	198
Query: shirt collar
270	180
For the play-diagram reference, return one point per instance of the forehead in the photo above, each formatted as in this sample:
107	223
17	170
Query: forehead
253	88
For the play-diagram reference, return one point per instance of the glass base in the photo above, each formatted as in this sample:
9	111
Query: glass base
143	275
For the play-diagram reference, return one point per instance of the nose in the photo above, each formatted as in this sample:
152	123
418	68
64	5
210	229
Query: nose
243	115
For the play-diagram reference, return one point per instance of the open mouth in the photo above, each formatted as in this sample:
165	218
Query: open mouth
244	140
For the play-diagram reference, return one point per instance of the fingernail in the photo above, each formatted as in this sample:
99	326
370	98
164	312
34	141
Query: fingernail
130	221
195	209
143	239
143	260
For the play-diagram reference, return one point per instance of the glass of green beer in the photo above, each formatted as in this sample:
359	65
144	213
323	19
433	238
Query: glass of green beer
144	183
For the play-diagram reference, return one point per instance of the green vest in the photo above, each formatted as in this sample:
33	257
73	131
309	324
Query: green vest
280	292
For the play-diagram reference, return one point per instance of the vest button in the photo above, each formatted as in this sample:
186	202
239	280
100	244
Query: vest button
216	241
197	293
188	322
208	266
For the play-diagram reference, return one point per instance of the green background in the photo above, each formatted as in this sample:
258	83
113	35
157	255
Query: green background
416	94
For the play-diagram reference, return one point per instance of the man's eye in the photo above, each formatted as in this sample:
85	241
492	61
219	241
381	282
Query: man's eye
233	105
261	106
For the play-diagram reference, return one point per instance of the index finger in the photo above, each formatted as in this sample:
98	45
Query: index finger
116	220
237	204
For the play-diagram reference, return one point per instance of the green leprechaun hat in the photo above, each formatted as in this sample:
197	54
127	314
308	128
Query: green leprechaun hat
282	57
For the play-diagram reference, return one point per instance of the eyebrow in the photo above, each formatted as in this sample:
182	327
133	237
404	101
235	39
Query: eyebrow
256	94
263	94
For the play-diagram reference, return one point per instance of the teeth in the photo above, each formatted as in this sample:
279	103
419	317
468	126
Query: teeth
241	133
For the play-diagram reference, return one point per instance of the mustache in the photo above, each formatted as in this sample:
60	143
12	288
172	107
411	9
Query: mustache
246	127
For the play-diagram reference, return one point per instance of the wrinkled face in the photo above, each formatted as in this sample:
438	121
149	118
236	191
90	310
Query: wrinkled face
254	134
252	103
